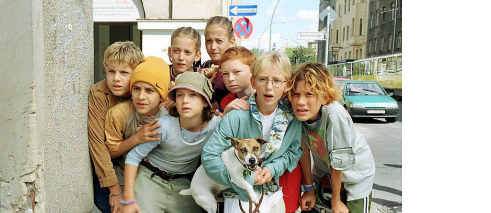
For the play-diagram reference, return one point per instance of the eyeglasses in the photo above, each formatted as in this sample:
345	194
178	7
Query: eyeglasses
263	81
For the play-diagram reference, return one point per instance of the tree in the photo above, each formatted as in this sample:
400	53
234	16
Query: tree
300	54
257	51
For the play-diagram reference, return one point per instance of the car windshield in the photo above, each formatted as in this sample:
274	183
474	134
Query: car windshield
364	89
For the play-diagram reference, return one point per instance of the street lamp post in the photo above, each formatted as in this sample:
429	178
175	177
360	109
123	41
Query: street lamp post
258	46
270	26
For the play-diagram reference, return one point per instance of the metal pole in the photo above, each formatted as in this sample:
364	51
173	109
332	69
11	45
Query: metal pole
327	39
271	25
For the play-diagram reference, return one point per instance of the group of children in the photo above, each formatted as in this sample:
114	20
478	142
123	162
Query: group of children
151	125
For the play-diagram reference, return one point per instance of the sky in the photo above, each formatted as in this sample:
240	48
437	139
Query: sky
300	16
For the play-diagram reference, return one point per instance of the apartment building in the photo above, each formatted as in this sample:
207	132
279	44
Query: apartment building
348	32
384	35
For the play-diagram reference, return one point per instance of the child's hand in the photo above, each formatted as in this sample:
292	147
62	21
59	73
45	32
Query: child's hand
338	206
238	103
266	176
257	177
218	113
145	134
132	208
307	201
168	103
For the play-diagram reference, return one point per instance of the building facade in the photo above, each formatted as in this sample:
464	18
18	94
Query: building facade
384	35
348	32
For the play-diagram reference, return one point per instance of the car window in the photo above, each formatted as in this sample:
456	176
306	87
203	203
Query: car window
364	89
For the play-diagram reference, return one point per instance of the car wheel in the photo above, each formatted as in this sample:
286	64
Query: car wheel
391	120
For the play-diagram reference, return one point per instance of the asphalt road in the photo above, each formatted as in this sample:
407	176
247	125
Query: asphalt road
385	141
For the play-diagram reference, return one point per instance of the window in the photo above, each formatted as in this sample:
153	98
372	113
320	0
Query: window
337	36
371	21
349	5
361	50
377	17
390	41
382	45
370	46
347	32
361	21
349	55
384	11
393	11
399	40
376	43
344	6
344	33
353	27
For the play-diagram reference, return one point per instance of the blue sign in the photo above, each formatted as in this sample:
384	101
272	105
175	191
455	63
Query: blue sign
242	10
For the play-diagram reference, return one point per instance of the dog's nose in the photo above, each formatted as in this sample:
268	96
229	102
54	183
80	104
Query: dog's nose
252	160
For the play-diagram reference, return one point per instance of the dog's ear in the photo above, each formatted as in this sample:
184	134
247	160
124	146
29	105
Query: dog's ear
235	141
260	140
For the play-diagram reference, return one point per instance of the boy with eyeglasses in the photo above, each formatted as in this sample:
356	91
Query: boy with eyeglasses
268	117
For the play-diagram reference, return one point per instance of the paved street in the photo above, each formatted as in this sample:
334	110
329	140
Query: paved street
385	140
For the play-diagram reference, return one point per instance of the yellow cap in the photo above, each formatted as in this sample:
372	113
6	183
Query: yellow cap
153	71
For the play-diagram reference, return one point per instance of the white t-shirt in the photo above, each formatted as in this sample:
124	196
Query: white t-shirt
267	121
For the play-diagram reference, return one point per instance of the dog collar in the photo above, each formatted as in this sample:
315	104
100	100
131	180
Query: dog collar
243	164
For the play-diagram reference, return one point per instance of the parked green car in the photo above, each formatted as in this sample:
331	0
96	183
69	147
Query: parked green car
367	99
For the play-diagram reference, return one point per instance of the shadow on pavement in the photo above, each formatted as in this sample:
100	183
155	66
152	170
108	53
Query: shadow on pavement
387	189
393	165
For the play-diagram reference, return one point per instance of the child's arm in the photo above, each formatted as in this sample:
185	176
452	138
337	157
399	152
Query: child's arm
289	159
115	141
336	203
129	186
98	150
144	135
238	103
212	153
305	167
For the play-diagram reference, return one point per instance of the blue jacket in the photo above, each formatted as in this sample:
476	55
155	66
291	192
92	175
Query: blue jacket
242	125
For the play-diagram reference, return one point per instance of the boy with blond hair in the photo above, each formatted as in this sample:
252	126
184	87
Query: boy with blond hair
339	150
268	117
120	59
236	73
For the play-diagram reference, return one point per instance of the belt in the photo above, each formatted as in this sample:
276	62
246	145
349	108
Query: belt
164	174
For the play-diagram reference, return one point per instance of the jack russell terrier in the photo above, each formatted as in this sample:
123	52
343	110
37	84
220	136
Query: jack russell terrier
242	157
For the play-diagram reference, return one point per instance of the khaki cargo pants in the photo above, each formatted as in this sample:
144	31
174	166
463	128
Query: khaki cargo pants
155	194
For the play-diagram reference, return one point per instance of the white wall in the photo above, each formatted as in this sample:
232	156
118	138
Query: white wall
156	36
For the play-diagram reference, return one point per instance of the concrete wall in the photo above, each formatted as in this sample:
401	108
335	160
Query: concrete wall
46	68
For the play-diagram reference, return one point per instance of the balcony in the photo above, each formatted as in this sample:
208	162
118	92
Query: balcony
358	40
